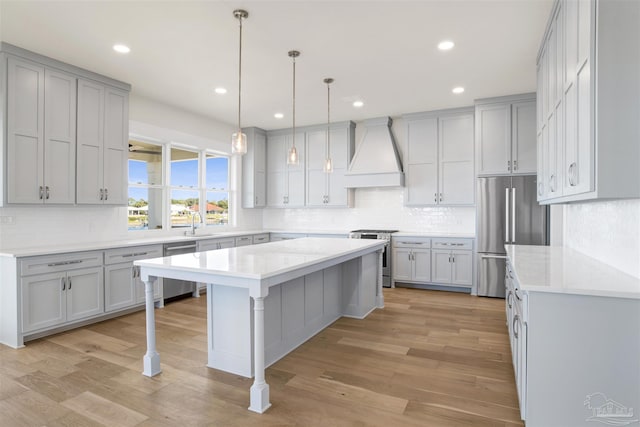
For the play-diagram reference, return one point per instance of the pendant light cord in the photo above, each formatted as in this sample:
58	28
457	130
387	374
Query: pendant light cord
240	78
328	119
294	101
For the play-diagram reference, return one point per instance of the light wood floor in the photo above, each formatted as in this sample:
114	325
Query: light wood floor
428	358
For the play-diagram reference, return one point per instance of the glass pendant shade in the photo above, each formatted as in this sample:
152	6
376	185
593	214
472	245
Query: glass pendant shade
292	156
239	143
328	165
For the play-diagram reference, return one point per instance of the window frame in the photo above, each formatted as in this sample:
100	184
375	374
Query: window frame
201	188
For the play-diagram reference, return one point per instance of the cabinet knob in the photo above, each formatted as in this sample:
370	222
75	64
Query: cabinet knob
101	194
41	192
509	165
435	197
515	165
441	197
46	192
106	194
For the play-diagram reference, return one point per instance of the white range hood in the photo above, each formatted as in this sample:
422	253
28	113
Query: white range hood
376	162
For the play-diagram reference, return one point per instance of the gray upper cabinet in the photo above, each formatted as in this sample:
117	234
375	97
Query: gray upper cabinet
285	183
439	165
588	131
103	120
506	135
66	132
328	189
41	141
254	169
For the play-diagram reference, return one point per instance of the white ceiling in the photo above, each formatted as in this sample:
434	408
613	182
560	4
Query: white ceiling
383	52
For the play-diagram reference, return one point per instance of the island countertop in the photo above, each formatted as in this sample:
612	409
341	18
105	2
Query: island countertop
259	262
563	270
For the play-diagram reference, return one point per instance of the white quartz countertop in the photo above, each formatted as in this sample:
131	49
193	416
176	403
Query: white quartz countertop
563	270
102	245
443	235
265	260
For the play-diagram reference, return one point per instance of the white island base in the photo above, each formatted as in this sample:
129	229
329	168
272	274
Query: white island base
264	301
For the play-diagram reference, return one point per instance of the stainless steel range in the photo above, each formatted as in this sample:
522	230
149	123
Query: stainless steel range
386	255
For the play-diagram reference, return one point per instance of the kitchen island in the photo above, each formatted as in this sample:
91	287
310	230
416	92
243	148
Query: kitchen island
264	301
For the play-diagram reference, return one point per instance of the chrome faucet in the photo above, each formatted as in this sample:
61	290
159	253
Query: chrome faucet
192	232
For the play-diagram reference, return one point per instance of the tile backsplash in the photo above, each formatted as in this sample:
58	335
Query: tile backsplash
606	230
375	208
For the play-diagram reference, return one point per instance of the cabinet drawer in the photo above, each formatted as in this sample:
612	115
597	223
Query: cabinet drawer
114	256
411	242
244	240
260	238
452	244
62	262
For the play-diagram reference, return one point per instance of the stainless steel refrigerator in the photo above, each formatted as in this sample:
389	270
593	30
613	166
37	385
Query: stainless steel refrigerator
507	213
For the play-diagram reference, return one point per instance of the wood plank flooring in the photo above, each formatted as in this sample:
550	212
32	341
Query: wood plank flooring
429	358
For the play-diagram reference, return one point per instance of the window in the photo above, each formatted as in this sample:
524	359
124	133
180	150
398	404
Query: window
184	193
217	189
196	182
144	209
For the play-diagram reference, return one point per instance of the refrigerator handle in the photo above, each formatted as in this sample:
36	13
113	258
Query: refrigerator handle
513	215
506	215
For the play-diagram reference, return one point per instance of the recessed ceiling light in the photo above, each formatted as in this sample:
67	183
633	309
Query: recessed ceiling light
457	90
358	104
278	115
120	48
220	90
446	45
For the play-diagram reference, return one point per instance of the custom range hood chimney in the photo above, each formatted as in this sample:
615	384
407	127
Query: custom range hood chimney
376	162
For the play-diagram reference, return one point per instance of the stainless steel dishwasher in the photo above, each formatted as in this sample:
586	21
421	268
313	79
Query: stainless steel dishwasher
173	287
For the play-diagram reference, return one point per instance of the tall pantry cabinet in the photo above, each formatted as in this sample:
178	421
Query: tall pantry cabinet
65	132
589	102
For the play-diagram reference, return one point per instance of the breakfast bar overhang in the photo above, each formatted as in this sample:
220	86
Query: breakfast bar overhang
265	300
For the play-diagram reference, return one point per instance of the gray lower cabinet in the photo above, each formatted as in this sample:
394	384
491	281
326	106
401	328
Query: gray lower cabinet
213	244
244	241
432	261
70	289
123	287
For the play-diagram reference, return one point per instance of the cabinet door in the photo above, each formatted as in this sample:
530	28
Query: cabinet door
340	150
462	268
421	265
316	177
440	266
260	170
85	293
295	182
523	138
422	162
226	243
25	132
90	134
457	179
276	171
43	301
402	264
493	138
119	287
116	137
60	138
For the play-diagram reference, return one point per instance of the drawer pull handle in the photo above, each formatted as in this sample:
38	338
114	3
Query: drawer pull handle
69	287
55	264
134	254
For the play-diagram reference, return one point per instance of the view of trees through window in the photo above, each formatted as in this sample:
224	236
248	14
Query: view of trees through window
192	185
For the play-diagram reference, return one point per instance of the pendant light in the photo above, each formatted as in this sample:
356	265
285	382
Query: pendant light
292	156
328	164
239	139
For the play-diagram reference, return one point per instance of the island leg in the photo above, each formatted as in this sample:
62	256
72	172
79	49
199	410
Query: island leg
259	392
151	360
379	294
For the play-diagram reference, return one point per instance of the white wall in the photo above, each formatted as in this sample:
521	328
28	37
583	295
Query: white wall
50	225
608	231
